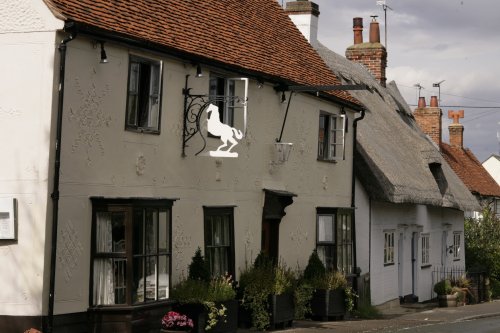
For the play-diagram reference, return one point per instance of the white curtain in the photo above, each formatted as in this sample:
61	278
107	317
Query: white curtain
104	289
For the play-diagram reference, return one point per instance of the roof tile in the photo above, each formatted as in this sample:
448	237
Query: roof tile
255	35
470	170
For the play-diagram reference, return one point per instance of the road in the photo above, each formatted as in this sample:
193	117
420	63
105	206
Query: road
481	325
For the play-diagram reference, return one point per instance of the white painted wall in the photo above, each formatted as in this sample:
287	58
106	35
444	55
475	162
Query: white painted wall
492	165
28	44
404	220
308	26
100	158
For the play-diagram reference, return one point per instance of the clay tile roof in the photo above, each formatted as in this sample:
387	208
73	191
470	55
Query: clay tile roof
254	35
470	170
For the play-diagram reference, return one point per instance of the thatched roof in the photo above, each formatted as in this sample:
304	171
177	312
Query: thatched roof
394	160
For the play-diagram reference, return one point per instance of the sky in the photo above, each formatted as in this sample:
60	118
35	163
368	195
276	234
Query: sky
429	41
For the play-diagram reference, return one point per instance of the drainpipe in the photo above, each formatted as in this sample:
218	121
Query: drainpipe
353	203
55	188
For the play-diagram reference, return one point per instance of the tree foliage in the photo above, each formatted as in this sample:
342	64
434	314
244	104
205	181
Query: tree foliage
482	244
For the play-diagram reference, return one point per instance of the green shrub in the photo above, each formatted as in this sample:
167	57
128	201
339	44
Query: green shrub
443	287
260	281
198	268
315	268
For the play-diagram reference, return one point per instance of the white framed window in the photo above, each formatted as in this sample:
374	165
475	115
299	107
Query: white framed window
457	236
144	95
425	249
331	137
389	247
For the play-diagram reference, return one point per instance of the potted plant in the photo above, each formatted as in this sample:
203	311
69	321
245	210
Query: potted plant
267	299
332	297
210	302
176	322
446	295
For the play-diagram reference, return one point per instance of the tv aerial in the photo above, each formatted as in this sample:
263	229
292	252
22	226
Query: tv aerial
384	7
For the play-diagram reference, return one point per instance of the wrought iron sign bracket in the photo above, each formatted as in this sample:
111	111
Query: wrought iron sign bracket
194	107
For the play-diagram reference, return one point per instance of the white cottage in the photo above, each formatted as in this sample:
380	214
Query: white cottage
409	216
110	179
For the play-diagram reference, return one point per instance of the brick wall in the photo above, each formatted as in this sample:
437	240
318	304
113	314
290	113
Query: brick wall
429	120
373	56
456	135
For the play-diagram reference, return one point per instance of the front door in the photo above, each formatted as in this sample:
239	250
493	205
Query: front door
414	262
270	237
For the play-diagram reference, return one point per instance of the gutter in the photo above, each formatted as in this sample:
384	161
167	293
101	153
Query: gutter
55	188
353	191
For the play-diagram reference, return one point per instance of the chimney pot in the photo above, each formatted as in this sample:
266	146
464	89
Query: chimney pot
374	32
421	103
434	102
357	27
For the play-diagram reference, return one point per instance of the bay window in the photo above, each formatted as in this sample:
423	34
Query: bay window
131	251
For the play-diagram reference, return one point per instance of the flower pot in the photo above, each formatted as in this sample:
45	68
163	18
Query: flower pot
328	304
447	301
199	314
282	310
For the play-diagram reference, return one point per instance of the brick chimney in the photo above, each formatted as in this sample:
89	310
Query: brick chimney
456	129
429	118
372	54
305	14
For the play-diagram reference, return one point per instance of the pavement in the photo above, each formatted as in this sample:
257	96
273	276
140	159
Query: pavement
399	318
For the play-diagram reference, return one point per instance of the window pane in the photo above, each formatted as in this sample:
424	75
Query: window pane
151	274
139	286
163	289
118	232
327	255
151	230
138	226
218	260
120	280
104	290
322	136
132	110
164	231
325	228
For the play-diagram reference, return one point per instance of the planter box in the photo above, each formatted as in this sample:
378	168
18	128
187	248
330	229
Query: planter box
282	310
447	301
328	304
199	314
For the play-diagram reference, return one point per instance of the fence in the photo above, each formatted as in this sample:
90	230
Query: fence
479	281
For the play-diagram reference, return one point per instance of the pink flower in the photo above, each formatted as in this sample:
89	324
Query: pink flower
176	321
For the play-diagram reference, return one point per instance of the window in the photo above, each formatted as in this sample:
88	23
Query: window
456	245
331	137
219	240
425	249
131	251
334	239
497	207
220	87
388	247
143	95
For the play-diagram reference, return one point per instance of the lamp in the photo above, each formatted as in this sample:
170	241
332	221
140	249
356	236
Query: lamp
283	97
104	57
199	73
282	151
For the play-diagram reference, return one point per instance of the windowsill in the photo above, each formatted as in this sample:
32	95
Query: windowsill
389	264
142	130
128	308
456	259
326	160
425	266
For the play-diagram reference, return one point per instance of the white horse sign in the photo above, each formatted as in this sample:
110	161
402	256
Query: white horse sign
224	131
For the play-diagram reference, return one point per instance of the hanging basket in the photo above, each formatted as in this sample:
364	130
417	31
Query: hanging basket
282	150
